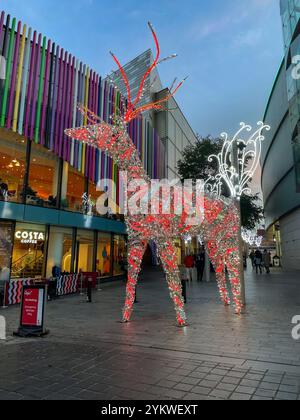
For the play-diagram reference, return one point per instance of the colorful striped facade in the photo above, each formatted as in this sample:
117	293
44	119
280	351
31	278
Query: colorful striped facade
38	99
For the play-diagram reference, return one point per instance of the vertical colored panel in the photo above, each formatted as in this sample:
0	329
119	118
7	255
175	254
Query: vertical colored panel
19	80
24	82
13	77
46	92
35	87
29	87
58	102
40	93
8	70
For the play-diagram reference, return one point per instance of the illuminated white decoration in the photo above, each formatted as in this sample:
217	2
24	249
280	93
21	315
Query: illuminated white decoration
237	161
258	241
251	239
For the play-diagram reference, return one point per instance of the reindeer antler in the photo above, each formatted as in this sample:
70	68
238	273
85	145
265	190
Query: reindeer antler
132	112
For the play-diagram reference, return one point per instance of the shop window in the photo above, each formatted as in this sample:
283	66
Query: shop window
6	240
12	167
119	255
84	251
43	177
75	188
28	251
59	260
103	263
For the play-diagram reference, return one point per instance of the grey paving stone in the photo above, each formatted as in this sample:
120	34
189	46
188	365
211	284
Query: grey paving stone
234	374
167	384
250	383
265	393
240	397
224	395
201	390
245	390
269	386
209	384
191	381
175	394
226	387
286	396
293	389
183	387
230	380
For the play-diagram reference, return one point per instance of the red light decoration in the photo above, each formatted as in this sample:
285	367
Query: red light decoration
221	218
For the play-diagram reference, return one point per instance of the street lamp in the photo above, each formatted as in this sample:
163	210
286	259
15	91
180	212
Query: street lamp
237	164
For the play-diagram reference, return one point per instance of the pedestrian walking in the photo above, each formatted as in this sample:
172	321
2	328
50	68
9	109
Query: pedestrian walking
200	264
258	261
189	263
252	258
267	261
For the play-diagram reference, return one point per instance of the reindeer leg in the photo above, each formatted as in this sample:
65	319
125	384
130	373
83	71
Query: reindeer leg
232	256
168	257
136	250
218	262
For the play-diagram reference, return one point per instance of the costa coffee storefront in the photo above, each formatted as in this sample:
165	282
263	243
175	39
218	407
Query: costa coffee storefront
34	250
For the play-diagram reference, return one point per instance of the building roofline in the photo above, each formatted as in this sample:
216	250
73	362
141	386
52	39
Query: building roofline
182	113
272	90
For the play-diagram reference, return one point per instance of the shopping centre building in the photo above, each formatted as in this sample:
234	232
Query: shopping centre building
44	220
48	182
281	150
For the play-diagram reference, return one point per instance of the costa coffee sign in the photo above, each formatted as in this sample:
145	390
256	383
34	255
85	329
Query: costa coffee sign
29	237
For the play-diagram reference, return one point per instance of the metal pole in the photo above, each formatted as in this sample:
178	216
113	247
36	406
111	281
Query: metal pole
235	162
241	254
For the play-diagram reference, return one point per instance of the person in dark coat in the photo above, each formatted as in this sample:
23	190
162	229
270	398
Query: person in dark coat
258	261
200	264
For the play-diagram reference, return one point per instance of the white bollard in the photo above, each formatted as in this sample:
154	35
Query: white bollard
2	328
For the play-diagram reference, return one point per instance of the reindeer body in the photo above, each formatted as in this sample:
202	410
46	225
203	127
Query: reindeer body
219	228
221	219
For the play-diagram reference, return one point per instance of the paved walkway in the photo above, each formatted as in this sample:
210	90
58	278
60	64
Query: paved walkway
91	355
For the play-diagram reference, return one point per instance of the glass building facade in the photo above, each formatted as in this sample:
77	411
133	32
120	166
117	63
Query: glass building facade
44	221
290	13
281	149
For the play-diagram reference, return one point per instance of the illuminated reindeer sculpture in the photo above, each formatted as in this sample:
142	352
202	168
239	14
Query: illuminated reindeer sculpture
220	226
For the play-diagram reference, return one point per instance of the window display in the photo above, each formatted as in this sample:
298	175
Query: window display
84	251
59	258
43	177
119	255
6	240
76	187
12	168
103	263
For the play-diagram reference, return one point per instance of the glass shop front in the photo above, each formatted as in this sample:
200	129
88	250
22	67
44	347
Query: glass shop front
37	251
